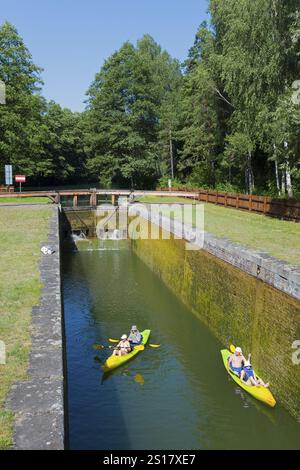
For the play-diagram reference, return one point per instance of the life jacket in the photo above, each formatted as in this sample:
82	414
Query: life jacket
248	371
124	344
135	337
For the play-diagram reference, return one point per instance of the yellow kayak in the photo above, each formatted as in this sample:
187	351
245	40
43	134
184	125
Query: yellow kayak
115	361
260	393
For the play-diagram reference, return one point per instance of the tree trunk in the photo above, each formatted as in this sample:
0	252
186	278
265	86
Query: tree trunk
247	180
289	180
249	174
251	181
229	174
283	182
171	154
277	177
213	175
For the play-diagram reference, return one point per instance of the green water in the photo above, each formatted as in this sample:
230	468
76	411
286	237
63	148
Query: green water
175	397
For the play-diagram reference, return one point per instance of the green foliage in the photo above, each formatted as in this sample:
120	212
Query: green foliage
39	139
130	114
229	117
62	146
258	47
20	117
163	182
237	96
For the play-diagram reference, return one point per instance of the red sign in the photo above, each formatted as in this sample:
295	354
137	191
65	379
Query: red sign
20	178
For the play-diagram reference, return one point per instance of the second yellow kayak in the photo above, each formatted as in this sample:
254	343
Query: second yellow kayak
260	393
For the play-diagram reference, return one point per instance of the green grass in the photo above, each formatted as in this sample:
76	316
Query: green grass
165	199
21	232
278	238
24	200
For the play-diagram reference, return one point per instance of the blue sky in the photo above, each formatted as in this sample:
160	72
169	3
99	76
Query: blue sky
70	39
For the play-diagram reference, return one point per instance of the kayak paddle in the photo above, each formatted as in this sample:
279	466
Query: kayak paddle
232	348
101	346
117	340
139	347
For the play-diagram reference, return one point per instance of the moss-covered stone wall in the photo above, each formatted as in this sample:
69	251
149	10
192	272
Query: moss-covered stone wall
237	307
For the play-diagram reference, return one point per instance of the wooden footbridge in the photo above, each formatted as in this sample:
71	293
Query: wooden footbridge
279	208
92	196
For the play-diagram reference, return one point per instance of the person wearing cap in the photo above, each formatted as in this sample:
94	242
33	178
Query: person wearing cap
236	361
248	375
123	347
135	336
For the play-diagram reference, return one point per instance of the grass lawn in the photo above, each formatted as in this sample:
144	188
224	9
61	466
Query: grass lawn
166	200
21	232
278	238
25	200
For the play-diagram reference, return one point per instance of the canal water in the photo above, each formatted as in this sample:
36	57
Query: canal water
177	396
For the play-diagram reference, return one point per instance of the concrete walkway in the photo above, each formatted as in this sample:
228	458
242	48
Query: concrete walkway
38	403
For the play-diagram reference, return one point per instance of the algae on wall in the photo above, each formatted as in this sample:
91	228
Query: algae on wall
237	307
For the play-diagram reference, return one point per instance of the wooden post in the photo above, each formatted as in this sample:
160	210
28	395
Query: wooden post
265	204
57	198
250	202
75	200
93	199
237	201
113	199
225	199
207	195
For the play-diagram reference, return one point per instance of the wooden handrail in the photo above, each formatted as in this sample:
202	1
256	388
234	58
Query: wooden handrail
280	208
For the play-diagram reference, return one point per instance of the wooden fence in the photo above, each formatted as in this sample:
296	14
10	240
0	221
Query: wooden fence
280	208
6	189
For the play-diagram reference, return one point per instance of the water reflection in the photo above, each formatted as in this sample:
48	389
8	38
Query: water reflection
175	397
139	379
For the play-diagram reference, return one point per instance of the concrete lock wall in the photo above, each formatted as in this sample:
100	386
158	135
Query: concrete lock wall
237	307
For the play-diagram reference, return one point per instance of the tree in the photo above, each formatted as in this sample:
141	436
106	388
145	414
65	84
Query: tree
258	58
230	114
202	112
238	153
124	113
61	155
21	115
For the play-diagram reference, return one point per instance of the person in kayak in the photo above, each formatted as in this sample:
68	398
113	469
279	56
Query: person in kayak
249	377
236	361
123	347
135	336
